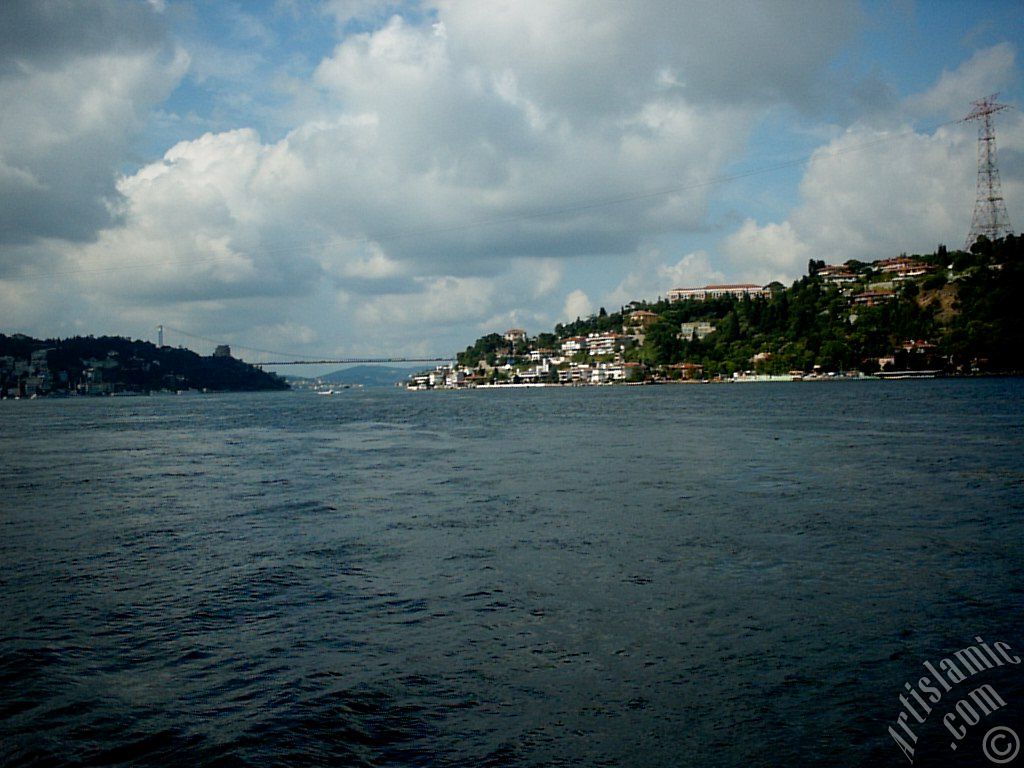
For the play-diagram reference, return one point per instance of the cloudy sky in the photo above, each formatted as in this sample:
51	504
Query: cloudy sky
354	177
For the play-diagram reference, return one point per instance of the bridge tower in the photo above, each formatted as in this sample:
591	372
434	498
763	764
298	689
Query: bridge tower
990	217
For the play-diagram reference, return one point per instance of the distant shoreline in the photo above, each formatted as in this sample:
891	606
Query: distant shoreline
895	376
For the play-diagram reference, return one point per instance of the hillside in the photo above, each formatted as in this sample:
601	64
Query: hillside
112	365
958	312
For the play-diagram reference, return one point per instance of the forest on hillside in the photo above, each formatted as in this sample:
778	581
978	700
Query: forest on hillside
112	364
966	315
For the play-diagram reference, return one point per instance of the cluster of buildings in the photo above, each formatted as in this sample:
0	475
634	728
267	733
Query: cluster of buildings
898	270
876	284
596	358
33	377
547	373
27	377
872	284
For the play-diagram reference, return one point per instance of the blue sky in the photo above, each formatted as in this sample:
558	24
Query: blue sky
352	177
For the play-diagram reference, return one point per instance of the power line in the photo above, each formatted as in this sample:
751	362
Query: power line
990	217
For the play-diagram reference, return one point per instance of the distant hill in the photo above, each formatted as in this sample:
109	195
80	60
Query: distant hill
368	375
115	365
955	312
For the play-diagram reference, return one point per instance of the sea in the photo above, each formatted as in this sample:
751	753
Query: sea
702	575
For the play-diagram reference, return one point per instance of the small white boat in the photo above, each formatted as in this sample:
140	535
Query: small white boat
908	374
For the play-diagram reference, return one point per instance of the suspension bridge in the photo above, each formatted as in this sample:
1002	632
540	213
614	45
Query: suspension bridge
256	356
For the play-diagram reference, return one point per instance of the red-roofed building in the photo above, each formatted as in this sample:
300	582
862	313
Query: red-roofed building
871	298
738	290
641	317
574	344
903	267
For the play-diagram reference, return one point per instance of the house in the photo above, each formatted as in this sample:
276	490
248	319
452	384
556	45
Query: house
419	381
837	275
689	371
637	322
39	357
916	345
632	371
539	355
903	267
872	298
607	343
693	371
35	385
574	345
701	330
830	269
641	318
514	334
455	378
580	373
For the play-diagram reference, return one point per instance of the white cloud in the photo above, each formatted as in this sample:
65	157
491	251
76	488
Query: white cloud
875	192
771	252
192	230
987	71
77	85
414	217
441	300
287	334
504	163
652	277
593	58
375	265
345	11
577	304
451	166
546	275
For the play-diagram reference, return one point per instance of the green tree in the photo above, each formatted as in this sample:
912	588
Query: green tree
662	345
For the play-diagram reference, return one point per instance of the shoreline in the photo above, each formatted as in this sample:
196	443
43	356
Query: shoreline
765	379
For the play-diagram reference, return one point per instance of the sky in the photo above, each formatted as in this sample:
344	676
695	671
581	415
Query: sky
354	178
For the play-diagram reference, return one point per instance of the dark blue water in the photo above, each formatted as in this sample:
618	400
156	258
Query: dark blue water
716	575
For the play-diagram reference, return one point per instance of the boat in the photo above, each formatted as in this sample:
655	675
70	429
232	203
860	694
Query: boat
907	374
